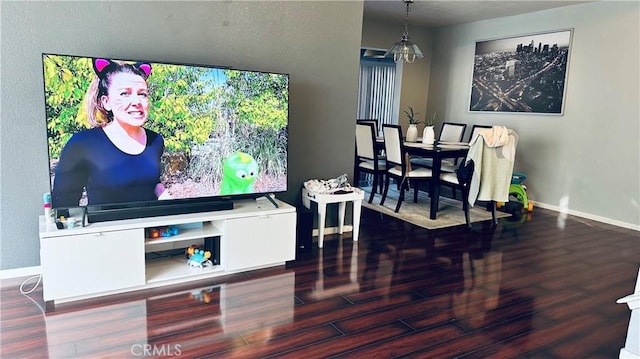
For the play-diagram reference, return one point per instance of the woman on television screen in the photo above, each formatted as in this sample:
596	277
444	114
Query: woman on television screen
117	160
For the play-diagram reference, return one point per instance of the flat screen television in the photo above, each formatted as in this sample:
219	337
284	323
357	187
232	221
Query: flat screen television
131	139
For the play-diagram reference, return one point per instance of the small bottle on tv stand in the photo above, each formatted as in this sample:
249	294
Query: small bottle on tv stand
48	213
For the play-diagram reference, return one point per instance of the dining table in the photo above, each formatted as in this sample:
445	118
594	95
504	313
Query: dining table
437	151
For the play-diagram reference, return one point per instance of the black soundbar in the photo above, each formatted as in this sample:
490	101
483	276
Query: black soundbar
114	214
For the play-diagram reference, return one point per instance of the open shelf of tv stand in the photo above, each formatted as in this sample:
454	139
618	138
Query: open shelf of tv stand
185	234
117	256
170	269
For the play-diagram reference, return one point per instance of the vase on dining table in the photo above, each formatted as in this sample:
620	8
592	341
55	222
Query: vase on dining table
412	133
428	135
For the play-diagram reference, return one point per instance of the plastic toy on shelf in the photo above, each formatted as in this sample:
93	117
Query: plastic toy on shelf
159	232
197	257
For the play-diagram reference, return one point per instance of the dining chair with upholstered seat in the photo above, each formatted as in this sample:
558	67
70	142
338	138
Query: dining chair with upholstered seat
475	129
398	165
461	180
367	158
486	173
451	166
376	130
374	121
450	132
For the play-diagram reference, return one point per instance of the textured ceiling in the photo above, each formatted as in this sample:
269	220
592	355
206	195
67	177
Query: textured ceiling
442	13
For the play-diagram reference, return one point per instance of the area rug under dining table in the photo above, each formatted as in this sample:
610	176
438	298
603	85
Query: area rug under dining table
450	211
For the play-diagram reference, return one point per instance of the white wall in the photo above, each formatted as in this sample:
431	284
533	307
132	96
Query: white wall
316	42
588	160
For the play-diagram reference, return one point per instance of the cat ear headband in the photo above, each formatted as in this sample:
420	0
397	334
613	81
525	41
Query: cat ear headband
104	66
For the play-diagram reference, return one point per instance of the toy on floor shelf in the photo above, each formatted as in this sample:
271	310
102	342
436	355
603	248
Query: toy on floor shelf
198	257
162	232
519	190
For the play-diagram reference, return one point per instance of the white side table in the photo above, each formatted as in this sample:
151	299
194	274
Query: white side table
323	199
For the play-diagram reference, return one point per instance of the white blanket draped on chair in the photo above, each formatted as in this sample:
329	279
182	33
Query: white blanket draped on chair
493	151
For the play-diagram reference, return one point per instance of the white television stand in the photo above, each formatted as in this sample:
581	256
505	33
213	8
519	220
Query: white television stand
115	257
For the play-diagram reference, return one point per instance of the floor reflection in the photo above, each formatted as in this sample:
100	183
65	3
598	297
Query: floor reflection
337	278
443	262
463	268
82	333
455	274
380	263
177	321
481	287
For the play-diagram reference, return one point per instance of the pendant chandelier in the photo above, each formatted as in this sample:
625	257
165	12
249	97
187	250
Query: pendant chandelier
405	50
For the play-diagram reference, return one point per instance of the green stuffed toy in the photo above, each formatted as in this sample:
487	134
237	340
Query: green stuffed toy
239	174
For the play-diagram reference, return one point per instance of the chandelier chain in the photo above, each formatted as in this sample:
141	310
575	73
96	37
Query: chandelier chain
406	20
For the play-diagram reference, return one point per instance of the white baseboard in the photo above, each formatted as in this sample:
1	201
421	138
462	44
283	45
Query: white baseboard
19	272
587	216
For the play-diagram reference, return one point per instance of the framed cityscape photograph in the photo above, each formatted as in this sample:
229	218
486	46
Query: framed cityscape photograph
521	74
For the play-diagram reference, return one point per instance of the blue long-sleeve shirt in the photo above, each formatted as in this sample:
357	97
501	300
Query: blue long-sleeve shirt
91	160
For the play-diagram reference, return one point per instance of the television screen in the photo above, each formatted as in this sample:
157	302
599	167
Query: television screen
126	132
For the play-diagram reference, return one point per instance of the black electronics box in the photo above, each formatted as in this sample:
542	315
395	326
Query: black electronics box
304	233
212	244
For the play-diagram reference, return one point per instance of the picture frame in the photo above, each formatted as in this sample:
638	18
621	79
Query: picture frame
521	74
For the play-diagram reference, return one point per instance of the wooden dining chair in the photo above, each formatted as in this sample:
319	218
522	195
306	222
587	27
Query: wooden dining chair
367	158
485	174
450	166
399	167
374	121
475	129
452	132
461	180
376	129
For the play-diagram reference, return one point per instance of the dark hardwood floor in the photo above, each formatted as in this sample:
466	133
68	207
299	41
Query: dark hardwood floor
545	287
